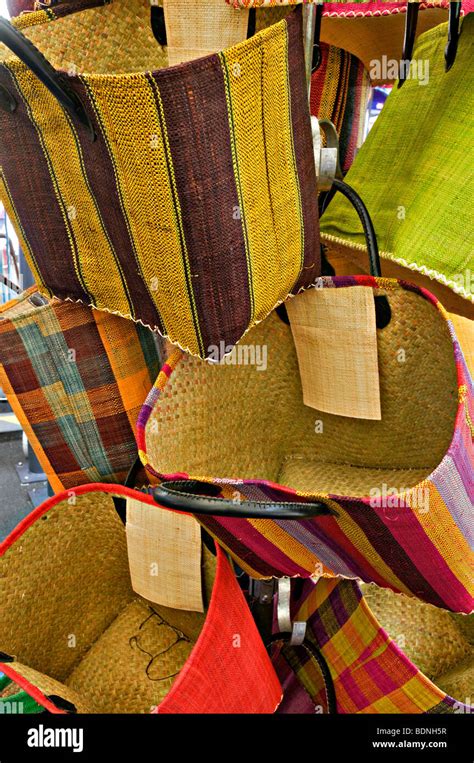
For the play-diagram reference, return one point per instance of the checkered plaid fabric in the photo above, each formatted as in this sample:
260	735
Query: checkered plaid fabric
76	378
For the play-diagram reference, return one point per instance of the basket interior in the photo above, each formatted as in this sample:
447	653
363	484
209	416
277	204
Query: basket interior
238	422
73	623
113	39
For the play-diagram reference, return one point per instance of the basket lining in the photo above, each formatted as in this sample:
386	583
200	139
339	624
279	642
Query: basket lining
79	631
236	422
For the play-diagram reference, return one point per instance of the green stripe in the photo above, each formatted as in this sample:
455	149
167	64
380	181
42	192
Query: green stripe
48	354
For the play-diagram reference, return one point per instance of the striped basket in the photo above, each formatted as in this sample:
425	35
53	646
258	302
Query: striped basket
400	488
76	379
385	653
77	638
194	210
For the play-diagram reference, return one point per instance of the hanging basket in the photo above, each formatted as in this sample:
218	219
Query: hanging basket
183	198
77	638
76	379
388	501
384	653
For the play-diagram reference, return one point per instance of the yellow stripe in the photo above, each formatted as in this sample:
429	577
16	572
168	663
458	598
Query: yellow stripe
292	548
53	479
99	270
127	361
7	201
260	112
138	154
359	539
442	530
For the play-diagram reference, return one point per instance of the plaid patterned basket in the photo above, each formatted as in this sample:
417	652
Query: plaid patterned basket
199	239
401	173
246	435
76	379
65	574
385	653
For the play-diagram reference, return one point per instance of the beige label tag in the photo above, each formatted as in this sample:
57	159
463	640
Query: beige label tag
164	554
335	335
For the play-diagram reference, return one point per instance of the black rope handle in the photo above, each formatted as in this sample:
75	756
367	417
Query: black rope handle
316	655
195	497
53	80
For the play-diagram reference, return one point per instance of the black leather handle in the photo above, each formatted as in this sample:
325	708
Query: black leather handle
194	498
53	80
367	224
314	653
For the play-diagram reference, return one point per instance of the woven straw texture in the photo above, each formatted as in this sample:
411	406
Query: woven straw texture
194	211
60	7
418	183
14	700
76	379
248	430
107	39
371	672
196	28
79	633
430	637
340	89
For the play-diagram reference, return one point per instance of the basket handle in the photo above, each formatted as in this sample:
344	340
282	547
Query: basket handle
184	495
53	80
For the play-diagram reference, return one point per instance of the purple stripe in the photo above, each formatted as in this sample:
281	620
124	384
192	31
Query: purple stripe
452	483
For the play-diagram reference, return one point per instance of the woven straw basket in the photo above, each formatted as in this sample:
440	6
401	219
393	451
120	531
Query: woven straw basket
194	210
384	652
418	183
247	431
76	379
76	637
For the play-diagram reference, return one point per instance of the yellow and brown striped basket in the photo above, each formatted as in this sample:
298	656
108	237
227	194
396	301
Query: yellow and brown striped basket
194	210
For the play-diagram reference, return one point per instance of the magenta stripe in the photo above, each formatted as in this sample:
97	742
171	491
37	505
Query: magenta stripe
260	546
427	559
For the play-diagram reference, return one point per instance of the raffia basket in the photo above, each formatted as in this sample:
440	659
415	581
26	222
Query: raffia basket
400	487
385	653
77	638
184	198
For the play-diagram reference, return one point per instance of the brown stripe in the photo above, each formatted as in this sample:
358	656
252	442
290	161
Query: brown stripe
391	552
303	148
197	122
243	552
100	172
64	9
28	176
